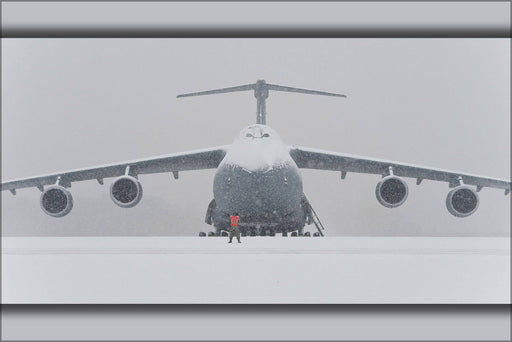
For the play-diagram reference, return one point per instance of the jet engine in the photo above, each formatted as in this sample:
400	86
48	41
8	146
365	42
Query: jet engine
391	191
56	201
126	191
462	201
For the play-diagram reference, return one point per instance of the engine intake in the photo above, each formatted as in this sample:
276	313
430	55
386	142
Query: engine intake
391	191
462	201
56	201
126	191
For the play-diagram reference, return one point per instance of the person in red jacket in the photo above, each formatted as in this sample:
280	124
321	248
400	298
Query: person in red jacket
234	228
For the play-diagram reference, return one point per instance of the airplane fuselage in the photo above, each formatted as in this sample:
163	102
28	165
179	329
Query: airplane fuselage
260	181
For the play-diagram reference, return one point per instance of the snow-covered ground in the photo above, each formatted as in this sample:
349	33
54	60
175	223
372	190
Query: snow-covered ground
259	270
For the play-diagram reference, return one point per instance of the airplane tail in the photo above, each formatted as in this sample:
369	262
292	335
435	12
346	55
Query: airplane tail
261	90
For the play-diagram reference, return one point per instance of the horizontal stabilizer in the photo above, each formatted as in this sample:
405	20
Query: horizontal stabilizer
261	90
220	91
302	91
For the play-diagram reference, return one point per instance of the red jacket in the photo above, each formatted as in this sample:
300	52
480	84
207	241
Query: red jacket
234	221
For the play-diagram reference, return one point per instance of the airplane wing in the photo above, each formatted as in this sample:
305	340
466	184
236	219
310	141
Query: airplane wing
324	160
193	160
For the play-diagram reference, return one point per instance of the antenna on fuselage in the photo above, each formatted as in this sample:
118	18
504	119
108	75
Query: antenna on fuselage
261	90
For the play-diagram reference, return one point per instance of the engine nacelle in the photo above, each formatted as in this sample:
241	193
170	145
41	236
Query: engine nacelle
126	191
462	201
391	191
56	201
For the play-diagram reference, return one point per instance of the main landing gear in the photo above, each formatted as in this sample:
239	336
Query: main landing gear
265	232
219	233
306	234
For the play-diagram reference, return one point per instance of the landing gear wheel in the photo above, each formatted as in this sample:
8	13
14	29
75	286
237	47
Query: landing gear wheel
224	234
210	233
294	234
315	234
285	233
308	234
202	234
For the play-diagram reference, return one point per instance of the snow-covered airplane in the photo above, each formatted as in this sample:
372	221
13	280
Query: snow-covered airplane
258	177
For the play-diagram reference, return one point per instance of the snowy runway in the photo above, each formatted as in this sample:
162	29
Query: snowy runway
259	270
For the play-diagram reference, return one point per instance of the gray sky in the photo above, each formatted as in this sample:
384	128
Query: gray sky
73	103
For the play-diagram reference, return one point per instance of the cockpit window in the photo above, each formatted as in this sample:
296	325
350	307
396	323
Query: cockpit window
256	133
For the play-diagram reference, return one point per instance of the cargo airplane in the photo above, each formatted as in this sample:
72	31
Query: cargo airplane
258	177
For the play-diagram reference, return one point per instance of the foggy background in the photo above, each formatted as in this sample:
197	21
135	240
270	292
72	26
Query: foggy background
74	103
